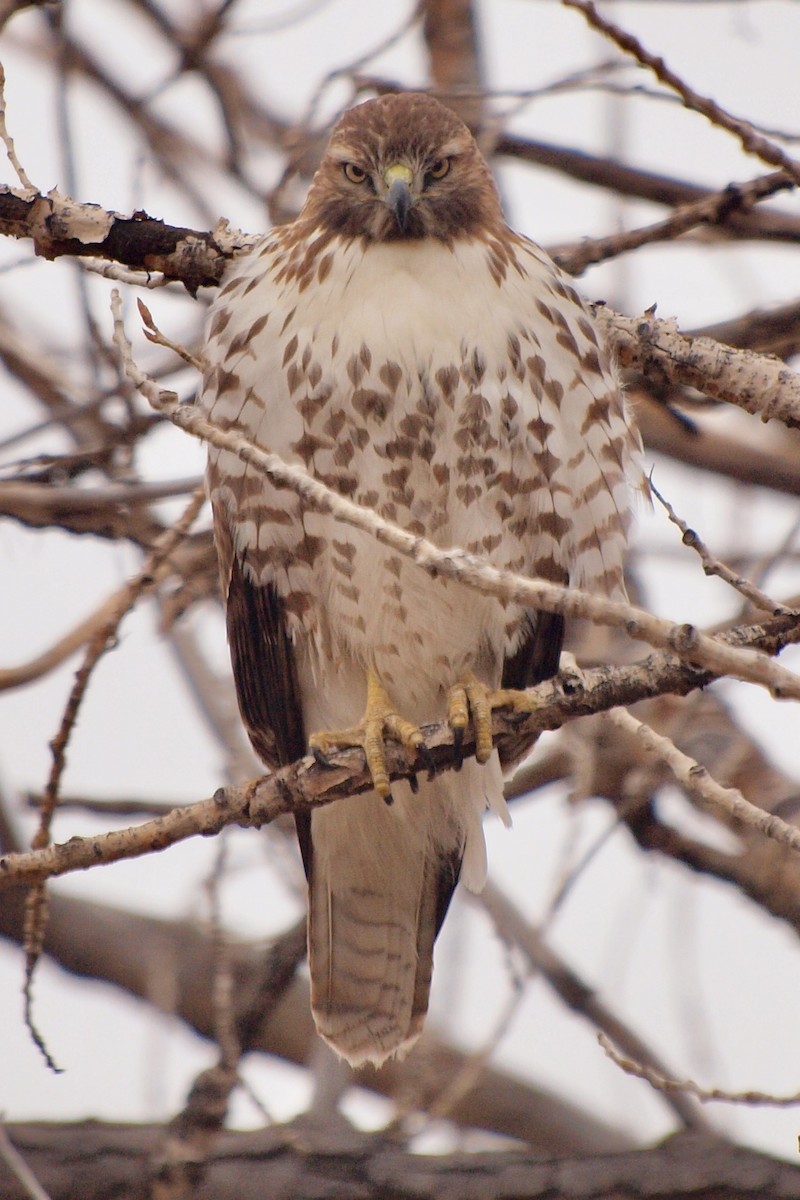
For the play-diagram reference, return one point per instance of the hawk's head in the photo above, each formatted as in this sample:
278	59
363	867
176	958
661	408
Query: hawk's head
402	167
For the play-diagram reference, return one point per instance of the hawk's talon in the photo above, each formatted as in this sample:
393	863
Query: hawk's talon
380	721
471	699
320	759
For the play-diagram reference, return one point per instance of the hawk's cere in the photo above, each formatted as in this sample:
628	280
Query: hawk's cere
412	352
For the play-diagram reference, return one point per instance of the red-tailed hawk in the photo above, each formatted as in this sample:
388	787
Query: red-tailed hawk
419	357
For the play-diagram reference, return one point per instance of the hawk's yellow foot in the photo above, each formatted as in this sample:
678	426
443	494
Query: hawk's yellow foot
471	698
381	720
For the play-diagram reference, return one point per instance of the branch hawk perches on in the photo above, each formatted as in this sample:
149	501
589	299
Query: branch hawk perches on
415	354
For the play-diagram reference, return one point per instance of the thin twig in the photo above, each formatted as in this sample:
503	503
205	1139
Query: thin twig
572	990
90	628
696	780
462	1082
750	140
667	1085
8	141
180	1159
154	334
713	566
122	274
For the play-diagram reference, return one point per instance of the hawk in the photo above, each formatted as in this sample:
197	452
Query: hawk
411	351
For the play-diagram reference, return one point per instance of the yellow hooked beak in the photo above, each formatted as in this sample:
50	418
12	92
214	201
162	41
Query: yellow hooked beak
398	178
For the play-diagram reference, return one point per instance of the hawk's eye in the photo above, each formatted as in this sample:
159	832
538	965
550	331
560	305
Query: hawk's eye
355	173
439	168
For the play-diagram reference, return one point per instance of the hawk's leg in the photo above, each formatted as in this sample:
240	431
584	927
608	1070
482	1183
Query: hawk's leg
471	698
381	720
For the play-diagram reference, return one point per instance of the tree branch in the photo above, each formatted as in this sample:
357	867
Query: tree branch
305	784
762	224
61	226
750	140
760	385
93	1160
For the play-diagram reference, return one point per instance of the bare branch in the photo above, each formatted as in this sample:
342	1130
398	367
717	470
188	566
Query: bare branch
761	223
713	566
699	783
101	640
760	385
61	226
712	210
7	139
750	140
667	1085
305	784
288	1161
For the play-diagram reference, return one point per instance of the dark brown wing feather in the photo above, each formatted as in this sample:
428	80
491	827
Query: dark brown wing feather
538	656
449	870
536	660
264	669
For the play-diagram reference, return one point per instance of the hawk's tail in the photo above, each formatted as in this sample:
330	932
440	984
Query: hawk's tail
380	881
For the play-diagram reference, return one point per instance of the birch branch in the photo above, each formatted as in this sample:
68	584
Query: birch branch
305	784
61	226
758	383
696	780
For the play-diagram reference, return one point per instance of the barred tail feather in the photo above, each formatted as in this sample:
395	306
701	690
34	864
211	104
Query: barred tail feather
380	882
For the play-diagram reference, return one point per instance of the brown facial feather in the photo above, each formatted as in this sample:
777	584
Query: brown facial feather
417	131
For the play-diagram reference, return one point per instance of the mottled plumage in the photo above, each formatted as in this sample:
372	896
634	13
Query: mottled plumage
419	357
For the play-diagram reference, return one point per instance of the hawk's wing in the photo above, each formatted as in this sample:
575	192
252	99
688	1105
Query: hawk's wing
262	657
536	659
538	655
264	669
